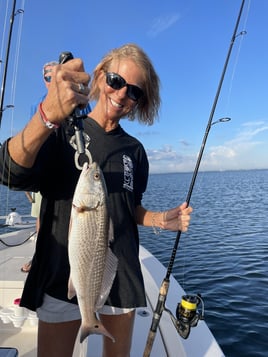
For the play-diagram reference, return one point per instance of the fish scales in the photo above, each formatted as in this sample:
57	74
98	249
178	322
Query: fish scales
92	264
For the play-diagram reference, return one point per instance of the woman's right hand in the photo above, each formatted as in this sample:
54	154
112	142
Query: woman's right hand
64	95
68	89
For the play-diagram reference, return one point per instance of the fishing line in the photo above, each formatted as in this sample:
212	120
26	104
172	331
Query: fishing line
183	329
15	65
3	36
15	68
241	34
13	86
187	245
6	61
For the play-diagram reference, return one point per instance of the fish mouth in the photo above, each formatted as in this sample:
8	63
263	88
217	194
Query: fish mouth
87	166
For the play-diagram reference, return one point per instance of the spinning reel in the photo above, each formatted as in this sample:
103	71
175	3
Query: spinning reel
187	315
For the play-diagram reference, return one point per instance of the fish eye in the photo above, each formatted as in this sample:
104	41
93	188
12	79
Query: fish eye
96	176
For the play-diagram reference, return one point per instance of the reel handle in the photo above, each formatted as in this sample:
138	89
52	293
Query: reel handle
65	57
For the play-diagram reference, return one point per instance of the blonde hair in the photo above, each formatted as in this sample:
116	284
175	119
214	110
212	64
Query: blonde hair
147	107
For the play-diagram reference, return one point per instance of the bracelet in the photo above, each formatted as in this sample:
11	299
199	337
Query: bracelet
45	120
156	230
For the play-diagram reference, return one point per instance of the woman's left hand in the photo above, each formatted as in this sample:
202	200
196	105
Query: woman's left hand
178	218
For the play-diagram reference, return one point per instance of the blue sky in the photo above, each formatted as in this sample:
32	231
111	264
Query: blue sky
187	41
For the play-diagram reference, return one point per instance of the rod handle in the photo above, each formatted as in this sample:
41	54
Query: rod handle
149	344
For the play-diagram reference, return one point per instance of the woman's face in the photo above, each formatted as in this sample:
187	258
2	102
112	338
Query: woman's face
118	102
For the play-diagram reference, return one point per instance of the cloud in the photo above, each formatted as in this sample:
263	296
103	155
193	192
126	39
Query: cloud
162	23
247	150
167	159
241	152
184	143
166	153
147	133
246	135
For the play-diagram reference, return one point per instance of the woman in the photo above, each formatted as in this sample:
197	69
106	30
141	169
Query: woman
124	84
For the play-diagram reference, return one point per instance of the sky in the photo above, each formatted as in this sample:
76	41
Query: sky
187	41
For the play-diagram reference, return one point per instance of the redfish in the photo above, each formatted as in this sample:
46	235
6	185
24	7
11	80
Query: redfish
92	263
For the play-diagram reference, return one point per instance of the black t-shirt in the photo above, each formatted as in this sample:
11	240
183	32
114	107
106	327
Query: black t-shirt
124	163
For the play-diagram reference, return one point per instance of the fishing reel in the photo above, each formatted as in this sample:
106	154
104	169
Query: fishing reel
187	315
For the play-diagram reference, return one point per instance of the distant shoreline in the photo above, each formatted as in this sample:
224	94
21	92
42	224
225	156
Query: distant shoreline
205	171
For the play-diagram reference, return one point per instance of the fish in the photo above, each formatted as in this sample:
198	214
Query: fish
93	265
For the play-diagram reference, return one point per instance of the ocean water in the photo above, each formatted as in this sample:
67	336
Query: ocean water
224	254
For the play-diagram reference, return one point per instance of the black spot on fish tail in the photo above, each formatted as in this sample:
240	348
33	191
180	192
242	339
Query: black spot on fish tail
98	329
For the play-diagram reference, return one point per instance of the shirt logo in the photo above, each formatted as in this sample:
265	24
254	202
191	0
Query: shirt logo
128	173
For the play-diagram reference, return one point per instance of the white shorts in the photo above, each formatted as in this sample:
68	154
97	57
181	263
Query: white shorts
55	310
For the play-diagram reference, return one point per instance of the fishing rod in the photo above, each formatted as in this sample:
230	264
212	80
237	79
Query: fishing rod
186	312
2	96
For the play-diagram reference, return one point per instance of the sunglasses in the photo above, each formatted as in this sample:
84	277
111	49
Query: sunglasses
47	79
115	81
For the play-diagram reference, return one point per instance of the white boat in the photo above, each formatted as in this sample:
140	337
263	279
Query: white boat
16	221
18	326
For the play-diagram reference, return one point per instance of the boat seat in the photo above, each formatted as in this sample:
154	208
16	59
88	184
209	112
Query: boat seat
8	352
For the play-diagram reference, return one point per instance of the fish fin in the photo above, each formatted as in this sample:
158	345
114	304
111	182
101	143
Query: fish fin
71	289
98	329
111	231
70	225
108	278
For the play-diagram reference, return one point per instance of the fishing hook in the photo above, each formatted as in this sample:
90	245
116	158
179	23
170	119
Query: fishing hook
160	306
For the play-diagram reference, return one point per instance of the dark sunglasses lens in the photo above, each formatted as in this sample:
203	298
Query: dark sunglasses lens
115	81
134	92
48	79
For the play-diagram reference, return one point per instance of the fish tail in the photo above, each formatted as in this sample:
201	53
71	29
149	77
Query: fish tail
98	329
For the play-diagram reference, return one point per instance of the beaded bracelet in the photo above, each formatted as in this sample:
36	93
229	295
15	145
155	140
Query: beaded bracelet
156	230
45	120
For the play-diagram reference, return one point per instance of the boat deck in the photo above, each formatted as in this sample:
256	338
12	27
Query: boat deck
11	284
167	343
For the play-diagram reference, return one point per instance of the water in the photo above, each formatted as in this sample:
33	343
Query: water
223	256
13	199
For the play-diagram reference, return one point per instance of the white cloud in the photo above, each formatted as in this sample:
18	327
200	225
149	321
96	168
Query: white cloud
252	129
247	150
241	152
162	23
167	159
